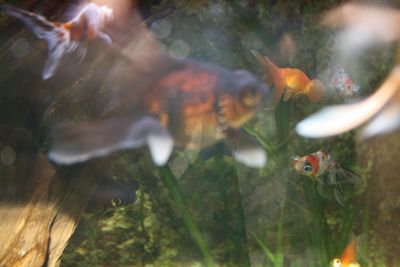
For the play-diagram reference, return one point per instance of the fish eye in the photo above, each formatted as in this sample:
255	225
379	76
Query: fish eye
307	167
336	263
250	96
115	202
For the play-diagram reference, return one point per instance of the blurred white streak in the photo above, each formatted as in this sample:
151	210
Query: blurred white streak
364	25
386	121
341	118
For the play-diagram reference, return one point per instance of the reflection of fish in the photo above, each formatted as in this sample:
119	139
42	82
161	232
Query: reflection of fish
341	82
348	257
290	81
193	105
364	25
383	107
112	194
319	164
65	37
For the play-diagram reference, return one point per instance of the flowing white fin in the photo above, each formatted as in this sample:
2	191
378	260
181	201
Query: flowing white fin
83	141
386	121
57	38
247	150
338	119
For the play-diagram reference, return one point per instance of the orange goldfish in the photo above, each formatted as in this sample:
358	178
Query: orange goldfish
65	37
319	164
290	82
192	105
348	257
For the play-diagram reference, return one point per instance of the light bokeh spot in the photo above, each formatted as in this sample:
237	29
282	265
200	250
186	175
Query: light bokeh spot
179	49
161	28
8	155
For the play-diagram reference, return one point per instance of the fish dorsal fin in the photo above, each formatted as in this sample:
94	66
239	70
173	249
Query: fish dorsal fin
246	149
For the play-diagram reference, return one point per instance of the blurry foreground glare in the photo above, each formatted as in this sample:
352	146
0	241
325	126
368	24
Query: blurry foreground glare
250	40
20	48
7	155
179	49
161	28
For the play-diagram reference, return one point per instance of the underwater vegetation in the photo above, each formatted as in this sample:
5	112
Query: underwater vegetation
183	133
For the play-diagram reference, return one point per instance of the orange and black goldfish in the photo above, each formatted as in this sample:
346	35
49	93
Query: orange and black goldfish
193	105
290	82
63	38
348	257
320	164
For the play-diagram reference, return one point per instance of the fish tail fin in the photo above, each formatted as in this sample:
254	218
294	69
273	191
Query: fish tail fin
273	76
78	142
57	37
316	90
339	177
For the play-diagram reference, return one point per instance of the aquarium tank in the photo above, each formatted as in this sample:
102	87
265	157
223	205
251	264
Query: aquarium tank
199	133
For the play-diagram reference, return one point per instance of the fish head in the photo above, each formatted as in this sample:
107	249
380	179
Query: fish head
307	165
336	262
240	97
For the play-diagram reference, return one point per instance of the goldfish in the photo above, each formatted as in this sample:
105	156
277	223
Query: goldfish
319	164
290	82
192	105
63	38
348	257
341	82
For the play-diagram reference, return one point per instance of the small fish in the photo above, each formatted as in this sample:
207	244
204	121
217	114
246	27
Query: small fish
341	82
191	106
113	194
290	82
318	164
63	38
348	257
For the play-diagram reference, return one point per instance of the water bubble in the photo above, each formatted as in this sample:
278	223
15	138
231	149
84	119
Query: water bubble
250	40
8	155
20	48
161	28
179	49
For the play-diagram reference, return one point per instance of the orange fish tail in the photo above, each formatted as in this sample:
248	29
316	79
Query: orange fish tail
316	91
349	254
274	76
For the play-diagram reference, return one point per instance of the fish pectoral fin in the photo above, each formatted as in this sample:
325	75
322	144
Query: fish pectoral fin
107	39
79	142
247	150
287	95
160	144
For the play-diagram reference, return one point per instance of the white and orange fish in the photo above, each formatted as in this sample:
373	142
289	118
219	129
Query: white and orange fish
63	38
318	164
348	257
341	82
290	82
